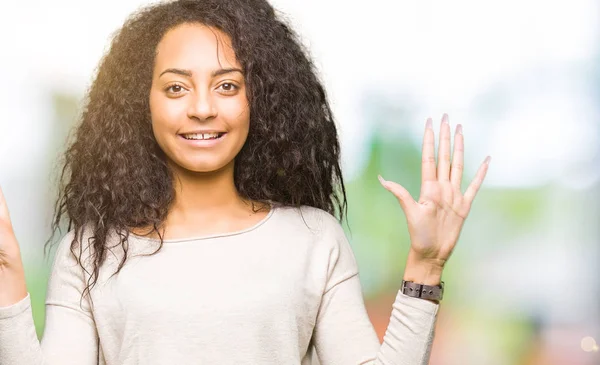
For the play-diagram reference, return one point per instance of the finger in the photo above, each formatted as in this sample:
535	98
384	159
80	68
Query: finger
443	169
476	183
458	163
406	200
428	160
4	215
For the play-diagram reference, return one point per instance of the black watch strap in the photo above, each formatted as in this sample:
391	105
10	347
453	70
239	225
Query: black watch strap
412	289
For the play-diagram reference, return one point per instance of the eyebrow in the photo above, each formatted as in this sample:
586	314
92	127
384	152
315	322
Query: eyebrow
188	73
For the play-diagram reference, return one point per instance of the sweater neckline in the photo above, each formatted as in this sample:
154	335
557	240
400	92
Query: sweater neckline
273	207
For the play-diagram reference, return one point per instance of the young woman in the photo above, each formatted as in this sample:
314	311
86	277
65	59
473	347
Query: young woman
201	190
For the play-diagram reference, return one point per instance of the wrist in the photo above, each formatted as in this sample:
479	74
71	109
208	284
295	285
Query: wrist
13	286
422	271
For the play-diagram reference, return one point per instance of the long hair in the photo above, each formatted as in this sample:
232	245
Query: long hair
115	176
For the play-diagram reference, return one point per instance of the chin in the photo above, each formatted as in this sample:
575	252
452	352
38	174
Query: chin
202	166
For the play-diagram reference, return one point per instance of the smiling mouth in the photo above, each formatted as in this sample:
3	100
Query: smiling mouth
203	136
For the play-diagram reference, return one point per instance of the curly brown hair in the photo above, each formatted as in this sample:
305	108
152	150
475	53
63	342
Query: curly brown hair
115	176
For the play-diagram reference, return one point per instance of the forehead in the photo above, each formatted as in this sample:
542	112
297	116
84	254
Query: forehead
196	47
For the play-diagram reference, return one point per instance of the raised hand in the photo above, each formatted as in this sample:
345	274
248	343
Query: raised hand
12	275
435	221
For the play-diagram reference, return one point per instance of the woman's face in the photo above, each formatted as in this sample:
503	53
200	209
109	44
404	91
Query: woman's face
198	90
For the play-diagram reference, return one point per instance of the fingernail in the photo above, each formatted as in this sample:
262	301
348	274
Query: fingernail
488	159
459	129
429	123
445	118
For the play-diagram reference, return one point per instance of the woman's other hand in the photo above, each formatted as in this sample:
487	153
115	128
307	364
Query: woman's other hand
12	275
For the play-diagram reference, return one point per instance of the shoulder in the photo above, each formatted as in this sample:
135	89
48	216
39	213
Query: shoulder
66	271
74	247
316	226
316	218
75	256
312	220
68	243
336	258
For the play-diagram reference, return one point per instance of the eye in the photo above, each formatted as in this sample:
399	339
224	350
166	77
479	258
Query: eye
174	89
229	88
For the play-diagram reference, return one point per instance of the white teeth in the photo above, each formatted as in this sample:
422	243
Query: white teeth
201	136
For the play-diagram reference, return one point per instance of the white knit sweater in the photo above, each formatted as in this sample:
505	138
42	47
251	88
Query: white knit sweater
281	292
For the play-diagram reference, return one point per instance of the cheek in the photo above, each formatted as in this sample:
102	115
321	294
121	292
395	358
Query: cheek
244	121
166	111
242	126
240	115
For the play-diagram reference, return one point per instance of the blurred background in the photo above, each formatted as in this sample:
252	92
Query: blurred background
522	77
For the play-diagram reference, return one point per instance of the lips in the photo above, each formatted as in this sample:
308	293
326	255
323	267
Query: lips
199	131
202	136
206	142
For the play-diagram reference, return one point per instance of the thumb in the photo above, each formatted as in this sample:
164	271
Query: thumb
9	247
406	200
4	215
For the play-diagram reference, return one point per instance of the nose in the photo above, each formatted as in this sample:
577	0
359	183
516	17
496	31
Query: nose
202	106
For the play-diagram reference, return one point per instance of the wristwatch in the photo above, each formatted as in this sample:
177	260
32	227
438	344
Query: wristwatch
423	291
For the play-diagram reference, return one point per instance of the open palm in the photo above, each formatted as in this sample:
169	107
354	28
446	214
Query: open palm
435	221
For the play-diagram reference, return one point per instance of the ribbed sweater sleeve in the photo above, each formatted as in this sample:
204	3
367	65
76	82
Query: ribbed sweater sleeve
343	333
69	335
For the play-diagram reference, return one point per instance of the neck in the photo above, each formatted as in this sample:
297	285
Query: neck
205	194
210	198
